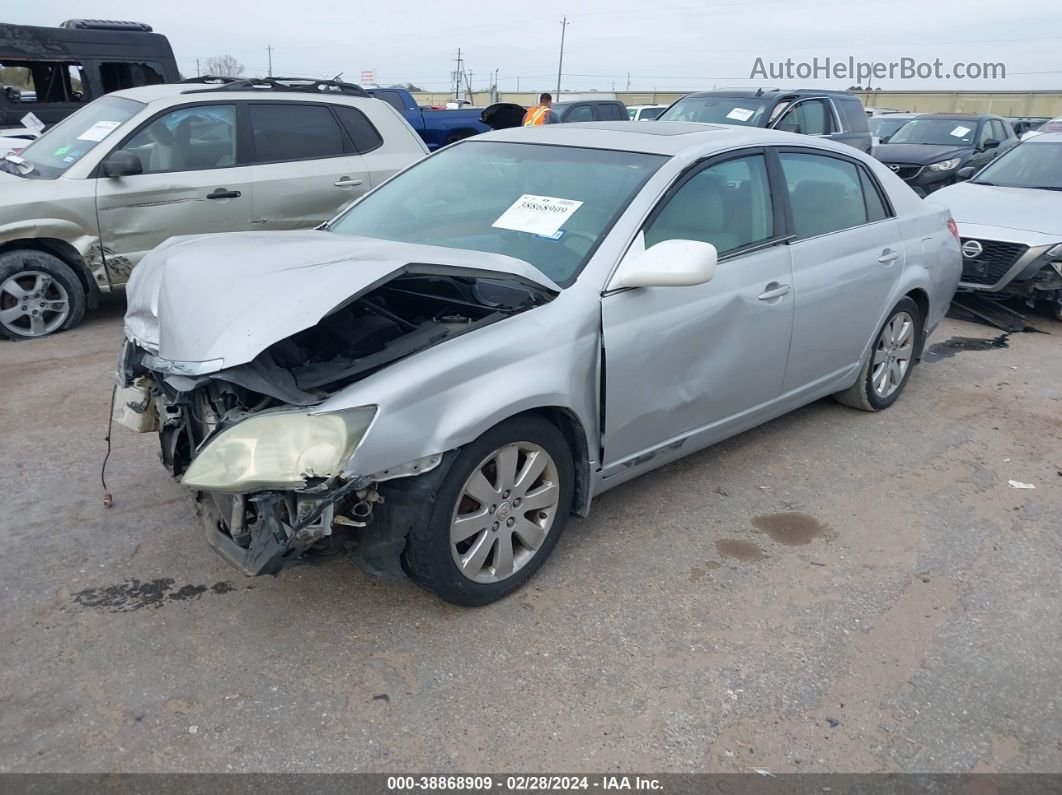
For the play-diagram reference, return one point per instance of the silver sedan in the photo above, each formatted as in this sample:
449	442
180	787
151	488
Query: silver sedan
435	380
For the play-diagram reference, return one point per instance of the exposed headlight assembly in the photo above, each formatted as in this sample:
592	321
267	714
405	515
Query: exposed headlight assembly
279	451
946	165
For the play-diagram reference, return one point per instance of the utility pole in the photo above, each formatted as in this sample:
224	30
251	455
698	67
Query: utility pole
459	73
628	81
197	74
468	86
269	49
560	61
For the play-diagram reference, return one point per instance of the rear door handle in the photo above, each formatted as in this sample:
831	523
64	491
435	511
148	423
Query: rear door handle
347	182
888	256
774	290
224	193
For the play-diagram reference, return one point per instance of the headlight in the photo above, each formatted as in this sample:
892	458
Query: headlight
278	451
946	165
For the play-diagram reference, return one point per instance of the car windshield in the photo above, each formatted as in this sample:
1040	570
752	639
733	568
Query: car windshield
73	138
547	205
884	127
1030	165
717	110
938	132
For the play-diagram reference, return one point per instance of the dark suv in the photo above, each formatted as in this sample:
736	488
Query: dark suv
836	115
591	110
929	150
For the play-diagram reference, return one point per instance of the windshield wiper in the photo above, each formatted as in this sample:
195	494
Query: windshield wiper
982	182
1045	187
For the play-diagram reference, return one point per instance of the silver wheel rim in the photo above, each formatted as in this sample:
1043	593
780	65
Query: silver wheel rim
33	304
504	512
892	355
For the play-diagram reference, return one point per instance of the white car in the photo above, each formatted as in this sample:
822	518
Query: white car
1053	126
644	112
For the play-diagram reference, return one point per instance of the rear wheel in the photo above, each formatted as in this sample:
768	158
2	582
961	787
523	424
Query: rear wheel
496	515
39	295
892	357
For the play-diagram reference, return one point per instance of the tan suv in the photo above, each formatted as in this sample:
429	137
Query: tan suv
82	204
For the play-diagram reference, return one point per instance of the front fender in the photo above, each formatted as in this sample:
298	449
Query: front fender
451	394
84	239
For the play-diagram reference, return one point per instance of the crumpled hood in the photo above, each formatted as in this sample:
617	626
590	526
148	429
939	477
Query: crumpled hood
1012	208
919	154
225	298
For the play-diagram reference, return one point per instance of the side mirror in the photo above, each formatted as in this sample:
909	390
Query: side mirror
121	163
991	143
965	173
670	263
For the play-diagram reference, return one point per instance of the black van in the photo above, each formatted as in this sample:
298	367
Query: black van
52	72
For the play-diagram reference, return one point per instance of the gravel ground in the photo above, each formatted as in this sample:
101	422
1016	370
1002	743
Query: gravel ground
906	620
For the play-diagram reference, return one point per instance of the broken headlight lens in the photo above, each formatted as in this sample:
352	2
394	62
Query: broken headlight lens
278	451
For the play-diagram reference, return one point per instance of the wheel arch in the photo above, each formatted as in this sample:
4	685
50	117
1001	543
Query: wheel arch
921	299
64	251
575	434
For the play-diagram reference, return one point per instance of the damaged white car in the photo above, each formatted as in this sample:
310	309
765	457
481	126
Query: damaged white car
434	381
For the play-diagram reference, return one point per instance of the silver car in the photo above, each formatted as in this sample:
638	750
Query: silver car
520	322
1010	220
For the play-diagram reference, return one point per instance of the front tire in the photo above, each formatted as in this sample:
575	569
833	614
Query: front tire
39	295
496	516
888	366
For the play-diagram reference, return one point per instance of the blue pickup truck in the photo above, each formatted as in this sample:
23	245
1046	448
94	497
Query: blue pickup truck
437	127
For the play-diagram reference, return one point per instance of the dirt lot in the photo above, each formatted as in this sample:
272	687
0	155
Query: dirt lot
910	621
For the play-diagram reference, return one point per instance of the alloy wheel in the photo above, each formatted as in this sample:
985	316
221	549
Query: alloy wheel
892	355
504	512
33	304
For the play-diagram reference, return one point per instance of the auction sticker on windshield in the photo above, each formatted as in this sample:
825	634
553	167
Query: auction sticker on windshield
539	215
741	114
98	131
961	132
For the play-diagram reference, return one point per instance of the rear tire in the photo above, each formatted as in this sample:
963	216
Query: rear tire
473	550
39	295
890	361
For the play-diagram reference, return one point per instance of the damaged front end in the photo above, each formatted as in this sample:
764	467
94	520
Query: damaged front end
275	475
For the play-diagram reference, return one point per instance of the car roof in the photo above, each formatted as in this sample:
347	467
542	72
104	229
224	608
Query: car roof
1045	138
658	137
767	93
959	116
197	92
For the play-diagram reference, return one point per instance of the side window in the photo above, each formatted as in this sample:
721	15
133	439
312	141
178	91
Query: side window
580	113
727	204
825	193
985	134
872	198
808	117
294	131
116	75
188	139
999	131
40	82
609	112
359	128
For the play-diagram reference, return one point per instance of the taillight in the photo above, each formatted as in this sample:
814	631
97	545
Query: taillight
954	229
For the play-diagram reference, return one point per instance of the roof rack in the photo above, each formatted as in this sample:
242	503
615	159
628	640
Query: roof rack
306	85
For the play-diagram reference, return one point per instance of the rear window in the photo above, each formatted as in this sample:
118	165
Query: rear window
294	131
360	129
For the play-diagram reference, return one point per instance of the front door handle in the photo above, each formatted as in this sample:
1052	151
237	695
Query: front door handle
774	290
224	193
888	256
347	182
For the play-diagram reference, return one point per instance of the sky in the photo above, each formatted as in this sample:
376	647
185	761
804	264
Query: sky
676	45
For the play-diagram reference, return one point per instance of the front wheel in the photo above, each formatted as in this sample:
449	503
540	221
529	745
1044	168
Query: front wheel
39	295
496	515
892	357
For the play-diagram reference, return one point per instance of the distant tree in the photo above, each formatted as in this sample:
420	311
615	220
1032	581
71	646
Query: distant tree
222	66
855	88
407	86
